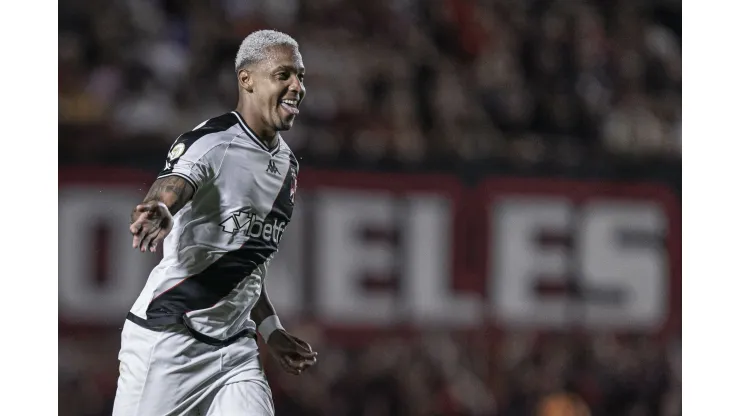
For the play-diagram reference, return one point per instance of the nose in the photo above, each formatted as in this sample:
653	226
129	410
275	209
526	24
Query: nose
297	87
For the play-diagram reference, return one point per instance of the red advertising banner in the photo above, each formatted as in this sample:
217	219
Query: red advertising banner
368	252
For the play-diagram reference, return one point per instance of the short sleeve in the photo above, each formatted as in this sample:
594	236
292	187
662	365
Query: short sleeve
194	157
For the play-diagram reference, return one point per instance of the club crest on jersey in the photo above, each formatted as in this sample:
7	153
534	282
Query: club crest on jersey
293	185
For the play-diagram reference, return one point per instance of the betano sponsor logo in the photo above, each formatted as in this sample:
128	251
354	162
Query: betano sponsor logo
248	224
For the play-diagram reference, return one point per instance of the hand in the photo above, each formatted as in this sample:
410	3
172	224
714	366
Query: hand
294	354
152	223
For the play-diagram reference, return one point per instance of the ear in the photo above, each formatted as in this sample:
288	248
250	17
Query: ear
246	80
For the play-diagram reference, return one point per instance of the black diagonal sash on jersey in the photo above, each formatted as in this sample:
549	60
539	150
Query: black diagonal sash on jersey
205	289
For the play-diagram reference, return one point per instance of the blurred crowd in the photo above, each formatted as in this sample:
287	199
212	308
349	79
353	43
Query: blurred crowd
437	374
404	82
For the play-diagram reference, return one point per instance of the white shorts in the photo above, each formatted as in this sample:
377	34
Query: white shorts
169	373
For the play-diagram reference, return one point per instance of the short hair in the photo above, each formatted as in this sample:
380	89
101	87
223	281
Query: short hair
255	47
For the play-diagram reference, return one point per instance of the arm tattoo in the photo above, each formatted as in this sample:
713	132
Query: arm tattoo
173	191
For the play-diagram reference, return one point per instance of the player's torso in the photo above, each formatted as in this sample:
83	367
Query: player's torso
245	208
255	193
216	256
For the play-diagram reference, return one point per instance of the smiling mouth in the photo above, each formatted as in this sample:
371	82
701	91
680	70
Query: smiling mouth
291	106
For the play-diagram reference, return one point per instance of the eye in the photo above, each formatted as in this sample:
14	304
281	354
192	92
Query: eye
300	77
283	76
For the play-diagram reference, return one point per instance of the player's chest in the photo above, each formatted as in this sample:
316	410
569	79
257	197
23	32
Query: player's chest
259	181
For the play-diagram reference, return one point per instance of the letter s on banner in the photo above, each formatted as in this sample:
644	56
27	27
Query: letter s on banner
620	247
577	254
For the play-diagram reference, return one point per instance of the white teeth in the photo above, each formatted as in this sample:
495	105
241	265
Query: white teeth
291	102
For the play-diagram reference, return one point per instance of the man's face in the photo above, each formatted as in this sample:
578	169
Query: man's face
278	87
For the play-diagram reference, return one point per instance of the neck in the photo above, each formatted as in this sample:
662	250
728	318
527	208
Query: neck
267	135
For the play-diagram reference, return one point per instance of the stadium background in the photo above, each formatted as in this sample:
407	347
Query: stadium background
489	199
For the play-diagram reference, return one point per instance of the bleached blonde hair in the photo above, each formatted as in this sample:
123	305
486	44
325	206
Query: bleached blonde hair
257	45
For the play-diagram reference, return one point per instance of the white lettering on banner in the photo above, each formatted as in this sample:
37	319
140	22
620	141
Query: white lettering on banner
344	258
80	211
620	284
427	282
611	249
636	271
519	261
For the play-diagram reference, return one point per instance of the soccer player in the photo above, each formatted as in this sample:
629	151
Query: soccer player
221	205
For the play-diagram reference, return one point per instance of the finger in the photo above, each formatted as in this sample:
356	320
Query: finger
301	343
295	363
287	367
152	247
146	234
139	236
164	230
284	365
159	238
307	364
137	225
148	238
134	227
148	207
306	354
140	222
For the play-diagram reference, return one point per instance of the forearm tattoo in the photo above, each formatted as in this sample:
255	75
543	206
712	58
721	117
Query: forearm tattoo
173	191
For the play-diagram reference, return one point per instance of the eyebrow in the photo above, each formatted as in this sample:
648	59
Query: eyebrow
291	68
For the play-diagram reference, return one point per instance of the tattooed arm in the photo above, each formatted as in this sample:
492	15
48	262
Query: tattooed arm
151	221
174	191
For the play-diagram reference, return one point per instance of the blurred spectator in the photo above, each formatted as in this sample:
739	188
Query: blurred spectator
396	81
562	404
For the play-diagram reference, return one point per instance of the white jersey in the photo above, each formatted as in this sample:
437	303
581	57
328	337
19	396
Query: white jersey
216	256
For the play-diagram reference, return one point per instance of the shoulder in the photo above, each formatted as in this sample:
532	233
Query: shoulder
206	136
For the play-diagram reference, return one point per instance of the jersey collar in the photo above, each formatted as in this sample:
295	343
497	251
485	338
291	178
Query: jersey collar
252	135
